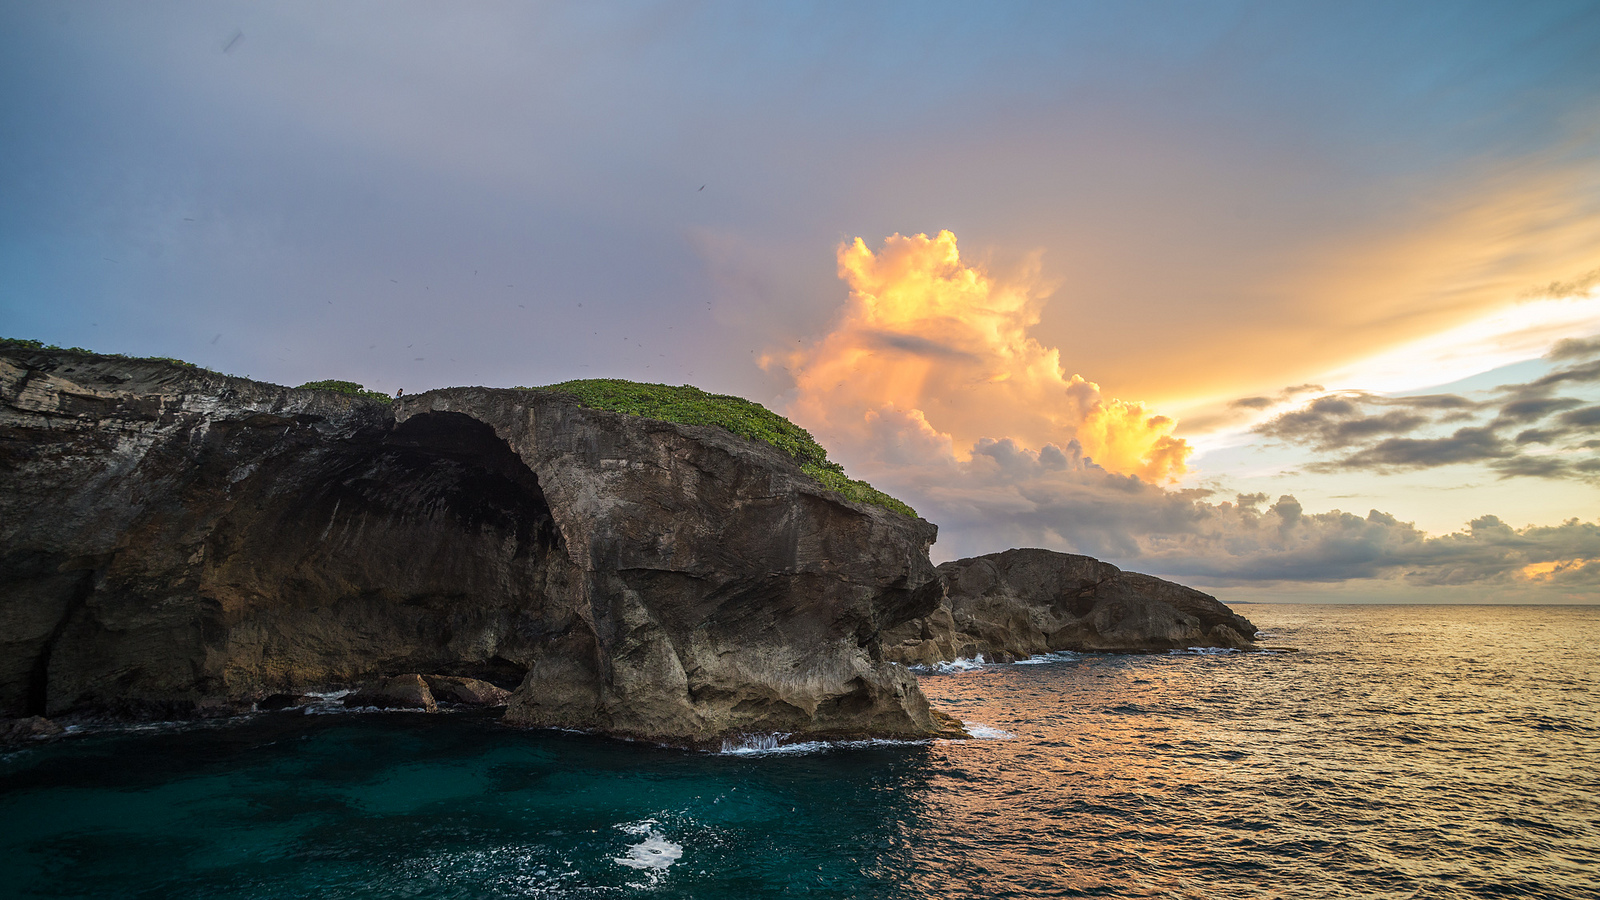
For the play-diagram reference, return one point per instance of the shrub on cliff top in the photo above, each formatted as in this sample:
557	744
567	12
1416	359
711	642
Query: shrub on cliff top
27	344
344	387
688	405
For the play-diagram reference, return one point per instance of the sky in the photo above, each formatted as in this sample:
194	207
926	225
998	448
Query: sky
1286	301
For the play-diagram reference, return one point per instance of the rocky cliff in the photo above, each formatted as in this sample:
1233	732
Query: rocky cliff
1021	603
172	539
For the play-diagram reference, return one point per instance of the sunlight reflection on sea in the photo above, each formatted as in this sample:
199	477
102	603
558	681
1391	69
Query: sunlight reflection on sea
1403	752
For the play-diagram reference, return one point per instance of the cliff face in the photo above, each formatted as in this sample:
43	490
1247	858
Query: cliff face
1021	603
172	538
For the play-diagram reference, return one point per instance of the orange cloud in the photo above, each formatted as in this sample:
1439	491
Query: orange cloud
942	348
1547	571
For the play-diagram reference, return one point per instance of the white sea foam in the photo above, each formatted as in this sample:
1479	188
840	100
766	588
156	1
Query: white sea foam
1205	651
955	665
329	696
1043	658
982	732
655	854
773	745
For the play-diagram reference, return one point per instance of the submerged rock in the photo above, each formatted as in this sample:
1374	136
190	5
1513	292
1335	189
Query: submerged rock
1021	603
171	539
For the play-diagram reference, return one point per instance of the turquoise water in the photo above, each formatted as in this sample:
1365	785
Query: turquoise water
1403	752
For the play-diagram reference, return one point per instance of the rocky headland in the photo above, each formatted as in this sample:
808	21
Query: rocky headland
175	542
1021	603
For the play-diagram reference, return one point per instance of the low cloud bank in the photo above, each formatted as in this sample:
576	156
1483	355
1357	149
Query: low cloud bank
1006	495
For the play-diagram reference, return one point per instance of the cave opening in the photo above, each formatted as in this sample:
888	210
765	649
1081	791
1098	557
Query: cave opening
427	548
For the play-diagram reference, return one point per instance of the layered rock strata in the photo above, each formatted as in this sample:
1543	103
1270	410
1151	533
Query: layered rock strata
1022	603
172	538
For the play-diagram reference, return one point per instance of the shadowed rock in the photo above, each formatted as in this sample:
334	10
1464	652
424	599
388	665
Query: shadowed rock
466	691
15	731
1021	603
396	692
176	539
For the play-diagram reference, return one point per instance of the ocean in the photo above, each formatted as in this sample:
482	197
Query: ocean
1400	751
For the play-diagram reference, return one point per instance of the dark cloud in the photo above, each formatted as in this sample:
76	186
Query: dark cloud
1576	287
1465	445
1252	403
1585	418
1335	421
1574	348
1531	410
1391	433
917	345
1588	373
1532	467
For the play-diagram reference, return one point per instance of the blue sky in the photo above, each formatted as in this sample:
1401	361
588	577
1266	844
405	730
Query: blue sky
1201	204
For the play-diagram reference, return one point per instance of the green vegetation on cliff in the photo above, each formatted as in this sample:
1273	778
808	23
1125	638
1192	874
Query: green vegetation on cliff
687	405
344	387
26	344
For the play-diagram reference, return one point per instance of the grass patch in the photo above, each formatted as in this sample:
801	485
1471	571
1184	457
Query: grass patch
687	405
344	387
26	344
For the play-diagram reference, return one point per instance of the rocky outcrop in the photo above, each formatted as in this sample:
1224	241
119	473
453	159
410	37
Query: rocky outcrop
1021	603
29	728
466	691
172	538
425	692
394	692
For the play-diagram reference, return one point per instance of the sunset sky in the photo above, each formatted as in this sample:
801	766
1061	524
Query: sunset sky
1288	301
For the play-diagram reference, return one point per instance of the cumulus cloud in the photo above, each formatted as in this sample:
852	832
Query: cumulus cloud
942	347
928	384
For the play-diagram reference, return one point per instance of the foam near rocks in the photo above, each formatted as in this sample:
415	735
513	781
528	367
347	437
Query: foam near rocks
982	732
773	745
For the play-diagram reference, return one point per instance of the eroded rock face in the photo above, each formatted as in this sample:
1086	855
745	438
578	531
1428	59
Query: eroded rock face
1021	603
173	537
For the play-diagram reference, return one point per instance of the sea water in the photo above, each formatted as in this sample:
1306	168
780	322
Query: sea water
1414	752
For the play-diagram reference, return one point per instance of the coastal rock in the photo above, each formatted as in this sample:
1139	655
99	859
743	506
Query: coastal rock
466	691
174	539
395	692
1021	603
13	731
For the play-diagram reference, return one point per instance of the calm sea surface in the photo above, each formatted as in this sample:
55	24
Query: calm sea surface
1412	752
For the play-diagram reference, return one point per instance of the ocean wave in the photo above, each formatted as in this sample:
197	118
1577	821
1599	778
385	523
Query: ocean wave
1041	659
955	665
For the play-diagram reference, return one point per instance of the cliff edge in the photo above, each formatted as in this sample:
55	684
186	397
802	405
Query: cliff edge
172	539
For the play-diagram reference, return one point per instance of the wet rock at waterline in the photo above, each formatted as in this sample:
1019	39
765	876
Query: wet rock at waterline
177	540
1022	603
28	728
